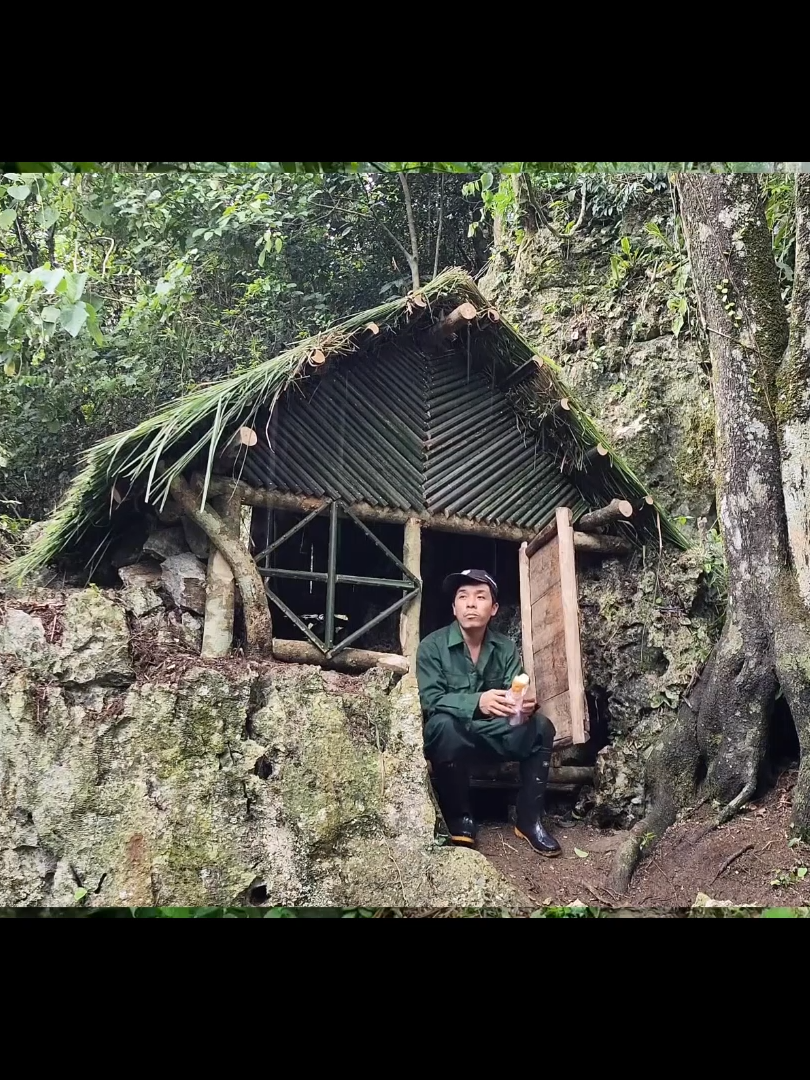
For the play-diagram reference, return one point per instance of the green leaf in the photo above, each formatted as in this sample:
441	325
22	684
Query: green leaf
486	181
580	853
92	323
779	913
626	245
7	218
75	286
51	279
73	318
47	217
80	894
19	192
11	366
801	872
50	314
279	243
7	312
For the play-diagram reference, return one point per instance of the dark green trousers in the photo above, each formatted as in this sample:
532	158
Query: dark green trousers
448	739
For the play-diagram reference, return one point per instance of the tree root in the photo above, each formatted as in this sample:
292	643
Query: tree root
643	838
737	802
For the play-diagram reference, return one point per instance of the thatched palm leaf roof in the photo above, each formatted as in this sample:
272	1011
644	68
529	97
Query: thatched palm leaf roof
192	430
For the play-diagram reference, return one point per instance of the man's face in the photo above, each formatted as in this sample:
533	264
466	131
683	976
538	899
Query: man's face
473	606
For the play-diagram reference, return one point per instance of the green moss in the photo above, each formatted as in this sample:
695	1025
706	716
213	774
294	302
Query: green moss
693	462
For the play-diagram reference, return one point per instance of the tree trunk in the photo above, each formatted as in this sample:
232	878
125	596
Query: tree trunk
765	642
793	402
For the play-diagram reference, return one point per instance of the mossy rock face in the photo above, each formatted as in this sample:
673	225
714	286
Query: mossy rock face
220	783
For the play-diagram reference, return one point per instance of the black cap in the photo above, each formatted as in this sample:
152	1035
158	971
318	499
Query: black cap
454	582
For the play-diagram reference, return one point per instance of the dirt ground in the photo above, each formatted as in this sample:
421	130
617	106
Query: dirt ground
746	861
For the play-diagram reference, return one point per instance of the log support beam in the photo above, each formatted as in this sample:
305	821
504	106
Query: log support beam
348	660
614	511
601	545
302	504
409	618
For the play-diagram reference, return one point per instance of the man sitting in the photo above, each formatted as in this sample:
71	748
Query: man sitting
464	671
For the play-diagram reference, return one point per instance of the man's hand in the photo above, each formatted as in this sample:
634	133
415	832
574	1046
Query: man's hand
529	706
495	703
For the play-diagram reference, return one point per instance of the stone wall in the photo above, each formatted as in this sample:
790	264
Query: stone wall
148	777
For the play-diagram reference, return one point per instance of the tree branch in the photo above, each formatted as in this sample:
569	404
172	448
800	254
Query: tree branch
413	259
439	226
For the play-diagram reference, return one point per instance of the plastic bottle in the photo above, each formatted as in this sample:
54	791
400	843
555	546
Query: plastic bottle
516	693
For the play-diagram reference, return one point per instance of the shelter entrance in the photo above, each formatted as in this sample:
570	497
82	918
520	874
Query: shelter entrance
447	553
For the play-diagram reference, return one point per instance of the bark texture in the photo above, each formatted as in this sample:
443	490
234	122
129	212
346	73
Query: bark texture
717	748
793	402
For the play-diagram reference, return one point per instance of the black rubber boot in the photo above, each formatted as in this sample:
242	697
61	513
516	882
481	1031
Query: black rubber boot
453	783
531	804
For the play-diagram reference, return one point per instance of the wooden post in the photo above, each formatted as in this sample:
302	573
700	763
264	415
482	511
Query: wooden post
570	606
220	592
409	617
526	617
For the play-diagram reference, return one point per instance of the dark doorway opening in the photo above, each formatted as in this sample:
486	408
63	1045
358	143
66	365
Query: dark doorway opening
446	553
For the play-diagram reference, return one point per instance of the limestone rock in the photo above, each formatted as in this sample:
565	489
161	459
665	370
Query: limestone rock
95	642
262	783
140	600
183	578
23	636
196	538
142	575
181	629
163	543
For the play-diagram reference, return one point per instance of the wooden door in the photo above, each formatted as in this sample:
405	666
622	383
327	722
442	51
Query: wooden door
550	629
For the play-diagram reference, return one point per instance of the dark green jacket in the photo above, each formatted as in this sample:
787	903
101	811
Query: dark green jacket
448	680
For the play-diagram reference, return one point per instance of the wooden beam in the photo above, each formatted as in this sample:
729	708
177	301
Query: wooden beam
304	504
349	660
220	589
570	605
617	508
602	545
409	617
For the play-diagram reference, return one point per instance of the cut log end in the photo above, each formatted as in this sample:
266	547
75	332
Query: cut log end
456	319
618	508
